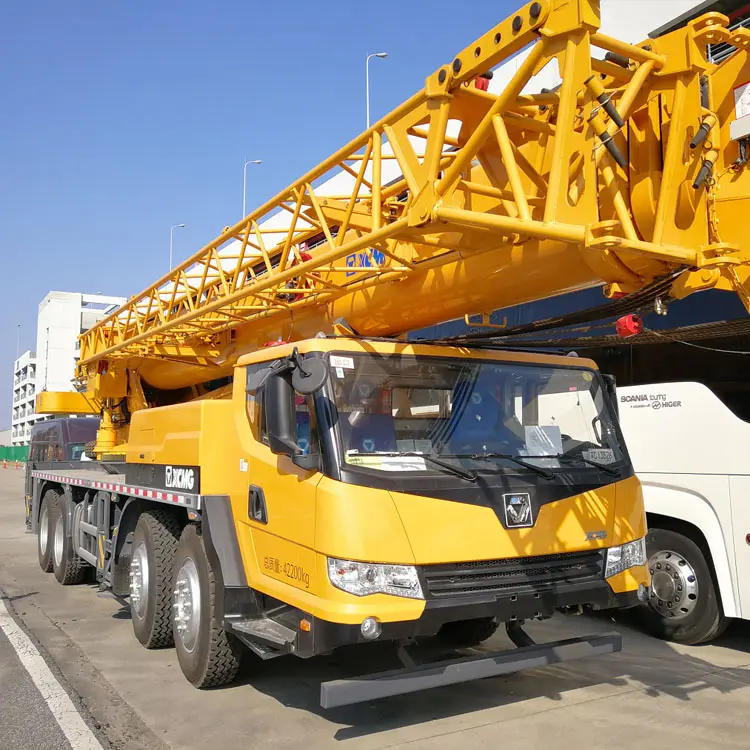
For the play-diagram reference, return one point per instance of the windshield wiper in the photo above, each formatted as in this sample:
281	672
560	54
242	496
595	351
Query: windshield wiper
565	457
538	469
469	476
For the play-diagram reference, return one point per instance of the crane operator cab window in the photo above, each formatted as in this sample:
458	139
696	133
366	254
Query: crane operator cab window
394	412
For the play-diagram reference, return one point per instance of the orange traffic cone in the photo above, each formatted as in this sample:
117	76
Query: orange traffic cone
5	464
18	464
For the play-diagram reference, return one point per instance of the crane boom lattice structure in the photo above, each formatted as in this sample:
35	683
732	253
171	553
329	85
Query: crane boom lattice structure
496	198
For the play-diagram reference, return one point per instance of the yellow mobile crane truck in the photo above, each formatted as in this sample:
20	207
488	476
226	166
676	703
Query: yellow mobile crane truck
278	468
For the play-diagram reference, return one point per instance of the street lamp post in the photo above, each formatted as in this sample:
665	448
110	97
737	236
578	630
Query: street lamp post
382	56
244	183
171	235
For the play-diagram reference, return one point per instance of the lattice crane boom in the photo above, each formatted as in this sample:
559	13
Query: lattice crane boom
460	201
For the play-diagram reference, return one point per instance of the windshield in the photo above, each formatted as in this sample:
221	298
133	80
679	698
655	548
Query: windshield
471	413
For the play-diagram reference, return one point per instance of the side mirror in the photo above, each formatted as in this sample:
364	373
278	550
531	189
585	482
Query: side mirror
309	376
281	422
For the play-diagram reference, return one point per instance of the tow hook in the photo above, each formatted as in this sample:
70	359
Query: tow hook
643	593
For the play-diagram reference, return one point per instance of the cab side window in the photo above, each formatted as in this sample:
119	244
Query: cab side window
306	438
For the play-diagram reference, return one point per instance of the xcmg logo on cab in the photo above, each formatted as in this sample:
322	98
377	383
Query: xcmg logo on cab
179	478
650	400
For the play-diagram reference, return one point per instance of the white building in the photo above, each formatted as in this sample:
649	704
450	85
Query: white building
63	317
24	389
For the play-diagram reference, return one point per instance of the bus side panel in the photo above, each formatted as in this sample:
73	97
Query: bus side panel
739	489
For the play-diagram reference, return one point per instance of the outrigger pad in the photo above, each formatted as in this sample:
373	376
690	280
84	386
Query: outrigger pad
452	671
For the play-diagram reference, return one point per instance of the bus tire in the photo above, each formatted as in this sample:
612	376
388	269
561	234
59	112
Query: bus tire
208	655
151	565
69	569
468	633
684	604
44	533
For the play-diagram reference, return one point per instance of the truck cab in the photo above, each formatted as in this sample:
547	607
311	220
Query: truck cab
57	443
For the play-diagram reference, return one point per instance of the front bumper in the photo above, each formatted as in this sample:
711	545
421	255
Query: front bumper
324	636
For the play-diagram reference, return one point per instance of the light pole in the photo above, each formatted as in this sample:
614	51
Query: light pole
171	235
244	182
382	56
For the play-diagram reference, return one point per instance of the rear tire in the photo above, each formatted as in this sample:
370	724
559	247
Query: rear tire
69	569
468	632
44	532
151	574
684	605
208	655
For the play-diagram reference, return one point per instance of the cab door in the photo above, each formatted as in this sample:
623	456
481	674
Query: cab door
281	499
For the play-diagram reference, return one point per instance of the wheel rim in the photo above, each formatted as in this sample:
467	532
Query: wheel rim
44	530
59	541
187	604
139	580
674	585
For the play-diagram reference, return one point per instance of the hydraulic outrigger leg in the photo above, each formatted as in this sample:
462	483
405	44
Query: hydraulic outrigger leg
411	678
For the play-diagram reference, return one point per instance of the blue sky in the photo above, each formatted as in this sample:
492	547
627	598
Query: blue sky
120	119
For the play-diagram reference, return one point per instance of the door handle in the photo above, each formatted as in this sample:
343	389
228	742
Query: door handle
256	504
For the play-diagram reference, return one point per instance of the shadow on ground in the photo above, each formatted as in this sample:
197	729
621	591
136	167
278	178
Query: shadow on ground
644	664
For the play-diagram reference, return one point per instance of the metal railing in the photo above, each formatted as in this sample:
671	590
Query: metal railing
719	52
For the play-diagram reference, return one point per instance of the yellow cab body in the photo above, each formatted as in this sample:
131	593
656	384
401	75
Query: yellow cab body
473	527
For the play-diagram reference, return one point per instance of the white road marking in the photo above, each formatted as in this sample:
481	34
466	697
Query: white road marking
74	728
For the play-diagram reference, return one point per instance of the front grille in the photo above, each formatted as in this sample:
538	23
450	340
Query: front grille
518	575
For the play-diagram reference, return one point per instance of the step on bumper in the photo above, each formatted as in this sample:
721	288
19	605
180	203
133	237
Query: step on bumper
449	672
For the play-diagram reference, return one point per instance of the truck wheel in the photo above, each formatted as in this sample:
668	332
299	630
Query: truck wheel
68	567
468	632
683	606
44	537
208	655
154	546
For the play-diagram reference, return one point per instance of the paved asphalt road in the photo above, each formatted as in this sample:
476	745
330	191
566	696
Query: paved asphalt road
651	696
25	719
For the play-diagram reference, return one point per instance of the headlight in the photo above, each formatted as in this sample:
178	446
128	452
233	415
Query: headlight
625	556
361	579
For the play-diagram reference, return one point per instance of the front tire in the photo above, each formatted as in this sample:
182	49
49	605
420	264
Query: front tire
466	633
44	535
151	566
684	605
208	655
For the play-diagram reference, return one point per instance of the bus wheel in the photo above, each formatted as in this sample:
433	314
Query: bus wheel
154	546
208	655
683	605
44	536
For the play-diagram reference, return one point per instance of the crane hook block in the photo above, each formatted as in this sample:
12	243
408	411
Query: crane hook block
629	325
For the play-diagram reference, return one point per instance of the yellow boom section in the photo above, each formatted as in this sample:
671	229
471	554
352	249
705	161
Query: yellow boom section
460	201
